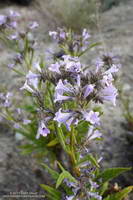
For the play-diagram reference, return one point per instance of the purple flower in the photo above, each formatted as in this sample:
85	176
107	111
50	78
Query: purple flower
94	195
61	88
113	69
65	118
7	102
33	25
12	24
109	93
85	35
26	121
107	79
99	63
59	97
78	80
27	87
72	64
93	134
88	89
14	14
3	19
70	197
91	116
16	125
32	79
62	35
55	67
14	37
42	130
53	34
37	66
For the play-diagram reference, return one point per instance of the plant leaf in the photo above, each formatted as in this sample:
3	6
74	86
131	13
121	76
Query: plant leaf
60	179
91	46
88	158
55	193
53	143
111	173
63	175
120	195
103	188
53	173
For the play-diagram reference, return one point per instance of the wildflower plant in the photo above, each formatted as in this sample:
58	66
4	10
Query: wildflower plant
59	110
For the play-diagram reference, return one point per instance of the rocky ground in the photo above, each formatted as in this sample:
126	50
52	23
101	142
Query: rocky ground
20	173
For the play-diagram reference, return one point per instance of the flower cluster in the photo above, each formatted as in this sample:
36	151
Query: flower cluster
77	87
76	44
75	84
9	21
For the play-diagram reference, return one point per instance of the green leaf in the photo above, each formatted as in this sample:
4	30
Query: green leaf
29	108
53	143
120	195
103	188
111	173
60	166
53	173
91	46
63	175
62	139
55	193
88	158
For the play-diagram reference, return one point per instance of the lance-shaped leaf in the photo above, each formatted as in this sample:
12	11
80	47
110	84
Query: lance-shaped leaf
65	175
53	193
88	158
120	195
53	142
90	46
111	173
52	172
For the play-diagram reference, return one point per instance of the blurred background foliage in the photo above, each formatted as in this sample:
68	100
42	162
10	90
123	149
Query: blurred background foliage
76	14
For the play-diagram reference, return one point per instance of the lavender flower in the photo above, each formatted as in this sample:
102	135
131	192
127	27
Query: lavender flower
70	197
16	125
42	130
93	134
3	19
85	35
33	25
61	88
91	116
59	97
62	34
113	69
107	79
53	34
99	63
55	67
65	118
33	79
7	101
27	87
109	93
72	64
14	36
13	14
94	195
37	66
88	89
26	121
